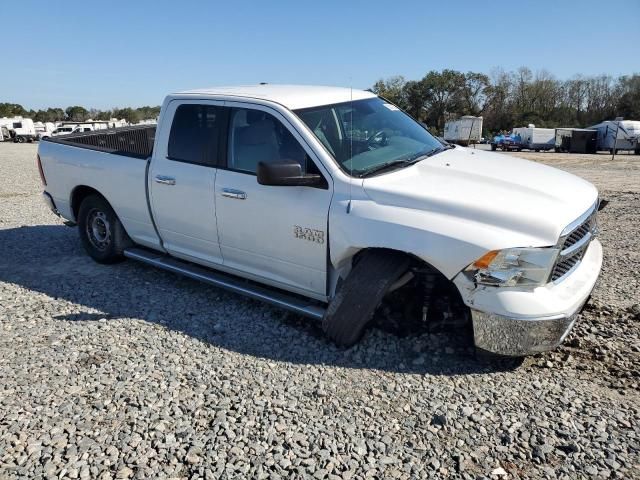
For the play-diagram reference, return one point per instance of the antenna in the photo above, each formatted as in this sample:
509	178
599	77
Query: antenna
350	143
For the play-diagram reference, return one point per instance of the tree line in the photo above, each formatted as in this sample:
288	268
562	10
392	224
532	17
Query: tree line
514	99
504	99
77	113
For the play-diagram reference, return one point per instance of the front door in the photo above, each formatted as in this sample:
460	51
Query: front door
182	180
278	234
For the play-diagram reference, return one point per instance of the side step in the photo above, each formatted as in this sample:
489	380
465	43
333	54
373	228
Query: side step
293	303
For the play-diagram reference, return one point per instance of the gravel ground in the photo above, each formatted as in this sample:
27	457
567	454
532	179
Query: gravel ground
128	372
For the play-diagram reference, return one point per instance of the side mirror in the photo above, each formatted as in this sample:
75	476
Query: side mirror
287	173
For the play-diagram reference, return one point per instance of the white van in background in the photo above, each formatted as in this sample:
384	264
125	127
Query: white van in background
66	128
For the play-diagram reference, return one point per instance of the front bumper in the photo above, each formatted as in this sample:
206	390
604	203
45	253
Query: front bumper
516	323
516	337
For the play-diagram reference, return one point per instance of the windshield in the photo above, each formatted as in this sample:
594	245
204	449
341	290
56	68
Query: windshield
366	134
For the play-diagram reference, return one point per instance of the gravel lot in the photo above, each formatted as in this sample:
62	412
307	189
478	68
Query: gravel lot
128	372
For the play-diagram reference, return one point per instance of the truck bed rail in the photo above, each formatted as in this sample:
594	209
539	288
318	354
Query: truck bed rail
135	141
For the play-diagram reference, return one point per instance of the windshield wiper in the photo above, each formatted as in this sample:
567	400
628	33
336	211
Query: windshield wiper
404	162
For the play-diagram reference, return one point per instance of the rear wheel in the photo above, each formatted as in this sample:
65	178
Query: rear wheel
493	147
101	233
20	139
361	293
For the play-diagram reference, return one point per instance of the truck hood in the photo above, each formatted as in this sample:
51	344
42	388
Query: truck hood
497	190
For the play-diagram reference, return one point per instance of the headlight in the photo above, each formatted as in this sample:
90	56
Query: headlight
514	267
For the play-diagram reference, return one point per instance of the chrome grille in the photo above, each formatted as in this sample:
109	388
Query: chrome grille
573	243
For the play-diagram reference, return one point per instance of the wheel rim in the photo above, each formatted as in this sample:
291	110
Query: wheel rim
98	230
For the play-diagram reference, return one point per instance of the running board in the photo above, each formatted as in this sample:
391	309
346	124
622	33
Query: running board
279	299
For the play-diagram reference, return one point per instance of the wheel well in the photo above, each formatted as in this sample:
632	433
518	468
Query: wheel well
416	264
436	298
415	261
78	195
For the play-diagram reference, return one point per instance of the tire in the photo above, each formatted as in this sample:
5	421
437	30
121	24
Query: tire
101	233
360	295
20	139
493	147
637	152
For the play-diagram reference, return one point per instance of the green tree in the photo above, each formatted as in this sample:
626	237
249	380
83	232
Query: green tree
128	113
12	110
474	93
393	89
442	93
148	113
77	113
628	105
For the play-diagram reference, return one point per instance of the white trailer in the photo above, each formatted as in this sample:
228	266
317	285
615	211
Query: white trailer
534	138
463	131
619	134
22	129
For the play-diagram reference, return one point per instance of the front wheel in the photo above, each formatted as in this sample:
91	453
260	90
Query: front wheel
101	233
361	293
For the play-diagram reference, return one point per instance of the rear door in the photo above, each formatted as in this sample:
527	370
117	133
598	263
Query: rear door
277	234
182	179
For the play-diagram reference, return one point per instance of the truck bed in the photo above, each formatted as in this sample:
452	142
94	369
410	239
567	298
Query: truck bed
113	162
135	141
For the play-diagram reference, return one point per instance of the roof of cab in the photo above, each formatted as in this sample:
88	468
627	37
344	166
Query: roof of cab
291	96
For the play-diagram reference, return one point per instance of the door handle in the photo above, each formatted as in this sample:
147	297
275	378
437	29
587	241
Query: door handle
233	193
165	180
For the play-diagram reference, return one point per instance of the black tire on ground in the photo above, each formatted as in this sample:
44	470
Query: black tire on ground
637	152
494	147
537	149
20	139
101	233
557	149
361	293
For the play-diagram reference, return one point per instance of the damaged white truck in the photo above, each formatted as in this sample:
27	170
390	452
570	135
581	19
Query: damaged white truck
327	202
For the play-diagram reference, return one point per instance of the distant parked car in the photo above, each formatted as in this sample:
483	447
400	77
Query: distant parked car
507	142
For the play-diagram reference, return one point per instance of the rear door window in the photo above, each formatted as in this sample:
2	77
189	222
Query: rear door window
196	134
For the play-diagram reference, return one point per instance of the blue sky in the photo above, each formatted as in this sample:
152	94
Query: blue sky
105	54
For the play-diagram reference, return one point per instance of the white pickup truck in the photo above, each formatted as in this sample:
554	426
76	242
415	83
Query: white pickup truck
327	202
